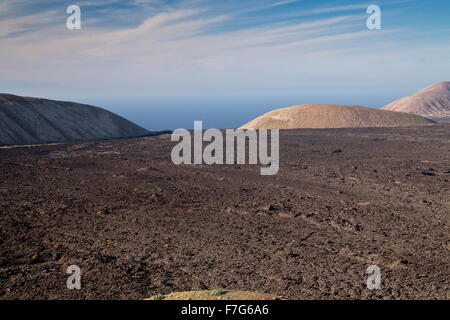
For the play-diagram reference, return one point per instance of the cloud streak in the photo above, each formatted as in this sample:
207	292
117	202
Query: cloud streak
193	47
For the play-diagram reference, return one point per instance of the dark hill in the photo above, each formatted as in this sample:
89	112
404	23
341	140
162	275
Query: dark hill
25	120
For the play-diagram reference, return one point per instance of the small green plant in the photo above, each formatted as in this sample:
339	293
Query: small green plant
217	292
158	297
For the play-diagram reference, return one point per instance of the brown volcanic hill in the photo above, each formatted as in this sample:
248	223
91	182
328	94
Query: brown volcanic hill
25	120
333	116
431	102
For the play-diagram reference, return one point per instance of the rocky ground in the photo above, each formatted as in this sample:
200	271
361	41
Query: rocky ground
138	226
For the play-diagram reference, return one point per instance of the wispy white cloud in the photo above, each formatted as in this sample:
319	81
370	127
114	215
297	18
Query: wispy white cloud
352	7
173	28
175	49
30	23
338	8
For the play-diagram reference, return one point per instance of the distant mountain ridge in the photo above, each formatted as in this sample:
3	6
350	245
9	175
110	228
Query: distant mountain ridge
431	102
321	116
25	120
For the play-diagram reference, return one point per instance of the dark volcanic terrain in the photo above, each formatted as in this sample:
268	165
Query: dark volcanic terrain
137	225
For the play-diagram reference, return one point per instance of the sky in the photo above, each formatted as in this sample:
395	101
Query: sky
164	64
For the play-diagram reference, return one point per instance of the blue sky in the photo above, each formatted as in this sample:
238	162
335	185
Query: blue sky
221	57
